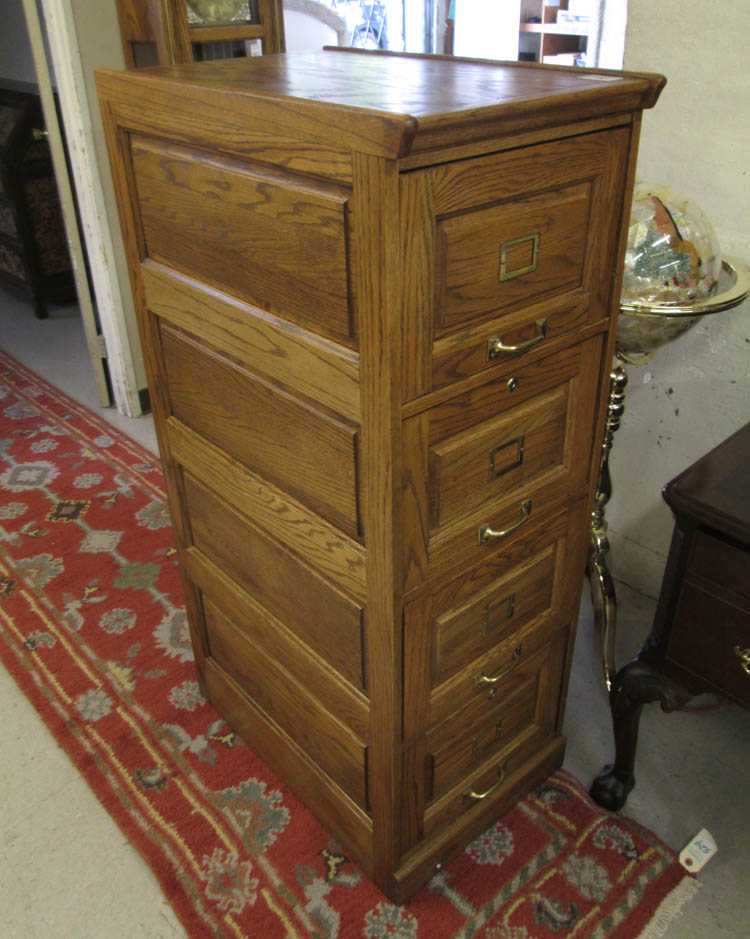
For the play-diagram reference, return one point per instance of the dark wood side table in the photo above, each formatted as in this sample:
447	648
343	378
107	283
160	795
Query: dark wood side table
700	640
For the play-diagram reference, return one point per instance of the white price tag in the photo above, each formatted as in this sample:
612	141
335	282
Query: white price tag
698	852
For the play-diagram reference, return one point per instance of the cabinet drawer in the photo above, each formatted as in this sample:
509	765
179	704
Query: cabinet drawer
450	761
486	785
708	636
721	562
305	451
499	456
307	604
502	457
490	737
287	702
511	251
492	259
462	633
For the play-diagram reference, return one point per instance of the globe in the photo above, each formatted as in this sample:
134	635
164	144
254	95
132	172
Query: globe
672	267
673	254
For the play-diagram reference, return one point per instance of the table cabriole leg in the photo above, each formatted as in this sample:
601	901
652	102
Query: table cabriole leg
637	683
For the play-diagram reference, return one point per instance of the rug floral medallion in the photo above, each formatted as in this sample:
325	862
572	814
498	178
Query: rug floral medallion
93	629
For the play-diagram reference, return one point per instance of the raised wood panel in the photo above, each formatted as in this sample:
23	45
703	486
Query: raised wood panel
307	535
459	430
288	703
547	666
288	588
335	809
482	254
450	760
462	634
302	661
273	240
297	359
306	452
454	607
498	456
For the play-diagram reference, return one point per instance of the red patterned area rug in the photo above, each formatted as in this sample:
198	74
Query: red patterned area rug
93	629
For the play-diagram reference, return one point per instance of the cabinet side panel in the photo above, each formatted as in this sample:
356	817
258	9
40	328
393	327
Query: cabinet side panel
273	239
120	155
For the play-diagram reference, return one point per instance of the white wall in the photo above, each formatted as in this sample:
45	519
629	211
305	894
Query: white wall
695	392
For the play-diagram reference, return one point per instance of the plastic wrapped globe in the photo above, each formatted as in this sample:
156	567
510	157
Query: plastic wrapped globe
672	262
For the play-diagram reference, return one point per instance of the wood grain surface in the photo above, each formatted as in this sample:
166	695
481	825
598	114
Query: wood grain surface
319	248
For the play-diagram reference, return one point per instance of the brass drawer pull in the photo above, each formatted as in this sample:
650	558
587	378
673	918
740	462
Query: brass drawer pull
478	796
487	533
490	681
744	656
496	347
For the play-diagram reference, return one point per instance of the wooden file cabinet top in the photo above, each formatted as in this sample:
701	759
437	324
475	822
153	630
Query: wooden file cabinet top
375	296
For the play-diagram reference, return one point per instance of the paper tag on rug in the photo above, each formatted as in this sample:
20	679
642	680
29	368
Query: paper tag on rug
698	852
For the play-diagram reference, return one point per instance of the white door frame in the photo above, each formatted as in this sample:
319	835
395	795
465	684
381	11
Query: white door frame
94	340
65	53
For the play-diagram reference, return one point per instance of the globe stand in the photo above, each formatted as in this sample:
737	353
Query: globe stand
642	330
603	595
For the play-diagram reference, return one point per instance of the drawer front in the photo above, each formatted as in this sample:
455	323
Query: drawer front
462	634
721	562
710	637
504	456
491	259
270	238
509	252
451	761
499	456
288	703
307	604
490	619
303	450
471	754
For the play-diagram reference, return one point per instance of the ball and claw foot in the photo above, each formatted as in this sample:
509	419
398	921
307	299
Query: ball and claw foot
610	789
637	683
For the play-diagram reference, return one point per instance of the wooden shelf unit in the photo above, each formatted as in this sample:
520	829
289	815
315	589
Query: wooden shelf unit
554	38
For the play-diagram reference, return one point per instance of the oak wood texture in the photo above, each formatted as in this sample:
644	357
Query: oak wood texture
281	582
310	454
294	358
321	735
315	249
254	233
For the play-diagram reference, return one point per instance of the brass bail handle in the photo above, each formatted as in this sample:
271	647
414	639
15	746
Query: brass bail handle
489	681
478	796
496	347
487	533
744	656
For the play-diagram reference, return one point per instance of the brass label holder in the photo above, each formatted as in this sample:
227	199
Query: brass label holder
508	273
497	471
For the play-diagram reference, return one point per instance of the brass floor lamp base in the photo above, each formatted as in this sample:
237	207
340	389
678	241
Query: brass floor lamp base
603	595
